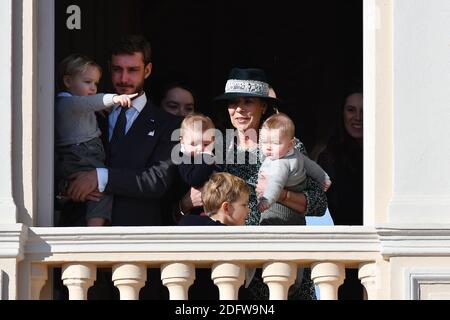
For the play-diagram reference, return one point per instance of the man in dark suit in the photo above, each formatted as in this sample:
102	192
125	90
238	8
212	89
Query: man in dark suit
139	167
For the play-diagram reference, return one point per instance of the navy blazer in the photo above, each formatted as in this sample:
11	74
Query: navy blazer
141	170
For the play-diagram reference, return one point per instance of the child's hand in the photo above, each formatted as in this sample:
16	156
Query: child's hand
262	205
326	185
262	182
124	100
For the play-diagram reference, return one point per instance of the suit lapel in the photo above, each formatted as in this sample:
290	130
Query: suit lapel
143	134
146	127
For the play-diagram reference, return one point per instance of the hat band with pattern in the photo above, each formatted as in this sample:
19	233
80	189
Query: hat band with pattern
247	86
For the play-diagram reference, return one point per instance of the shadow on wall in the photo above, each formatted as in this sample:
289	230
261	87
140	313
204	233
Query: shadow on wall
4	284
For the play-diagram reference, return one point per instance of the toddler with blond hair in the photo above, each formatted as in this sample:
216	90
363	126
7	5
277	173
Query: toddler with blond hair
78	146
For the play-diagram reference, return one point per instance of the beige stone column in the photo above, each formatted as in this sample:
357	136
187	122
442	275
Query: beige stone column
38	278
228	277
328	276
129	279
178	277
279	276
367	275
78	278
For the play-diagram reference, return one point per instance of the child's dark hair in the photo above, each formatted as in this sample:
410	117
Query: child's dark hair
72	65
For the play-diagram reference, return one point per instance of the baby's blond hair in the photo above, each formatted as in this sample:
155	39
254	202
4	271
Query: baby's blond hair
190	119
222	187
282	122
195	121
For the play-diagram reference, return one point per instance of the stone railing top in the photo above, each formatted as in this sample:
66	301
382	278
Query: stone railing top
12	240
251	244
414	240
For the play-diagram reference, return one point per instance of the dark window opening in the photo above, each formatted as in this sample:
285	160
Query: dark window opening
310	51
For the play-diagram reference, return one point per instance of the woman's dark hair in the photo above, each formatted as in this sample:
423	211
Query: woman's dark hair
159	97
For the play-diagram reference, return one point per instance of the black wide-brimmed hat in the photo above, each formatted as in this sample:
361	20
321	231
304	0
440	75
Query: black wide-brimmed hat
247	83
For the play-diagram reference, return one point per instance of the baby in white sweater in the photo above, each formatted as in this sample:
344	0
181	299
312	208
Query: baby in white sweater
284	167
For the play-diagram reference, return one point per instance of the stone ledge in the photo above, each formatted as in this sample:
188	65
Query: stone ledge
413	240
158	244
12	241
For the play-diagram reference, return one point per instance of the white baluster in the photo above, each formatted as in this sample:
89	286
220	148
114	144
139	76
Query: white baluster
328	276
367	275
279	276
129	279
38	278
228	277
178	277
78	278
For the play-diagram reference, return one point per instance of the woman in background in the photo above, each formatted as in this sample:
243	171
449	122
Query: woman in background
343	161
178	99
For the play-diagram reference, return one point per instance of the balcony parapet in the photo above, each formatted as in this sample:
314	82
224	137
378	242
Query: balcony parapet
327	250
178	251
255	244
412	240
12	241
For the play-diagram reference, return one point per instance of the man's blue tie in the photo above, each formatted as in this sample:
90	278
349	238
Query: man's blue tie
119	128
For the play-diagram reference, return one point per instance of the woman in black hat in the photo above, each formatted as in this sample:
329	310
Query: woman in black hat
249	104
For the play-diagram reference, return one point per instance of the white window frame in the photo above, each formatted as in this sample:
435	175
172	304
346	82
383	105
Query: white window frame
377	30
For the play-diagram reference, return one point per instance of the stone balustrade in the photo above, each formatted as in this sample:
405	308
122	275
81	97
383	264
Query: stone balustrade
228	277
228	251
78	278
178	277
129	279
